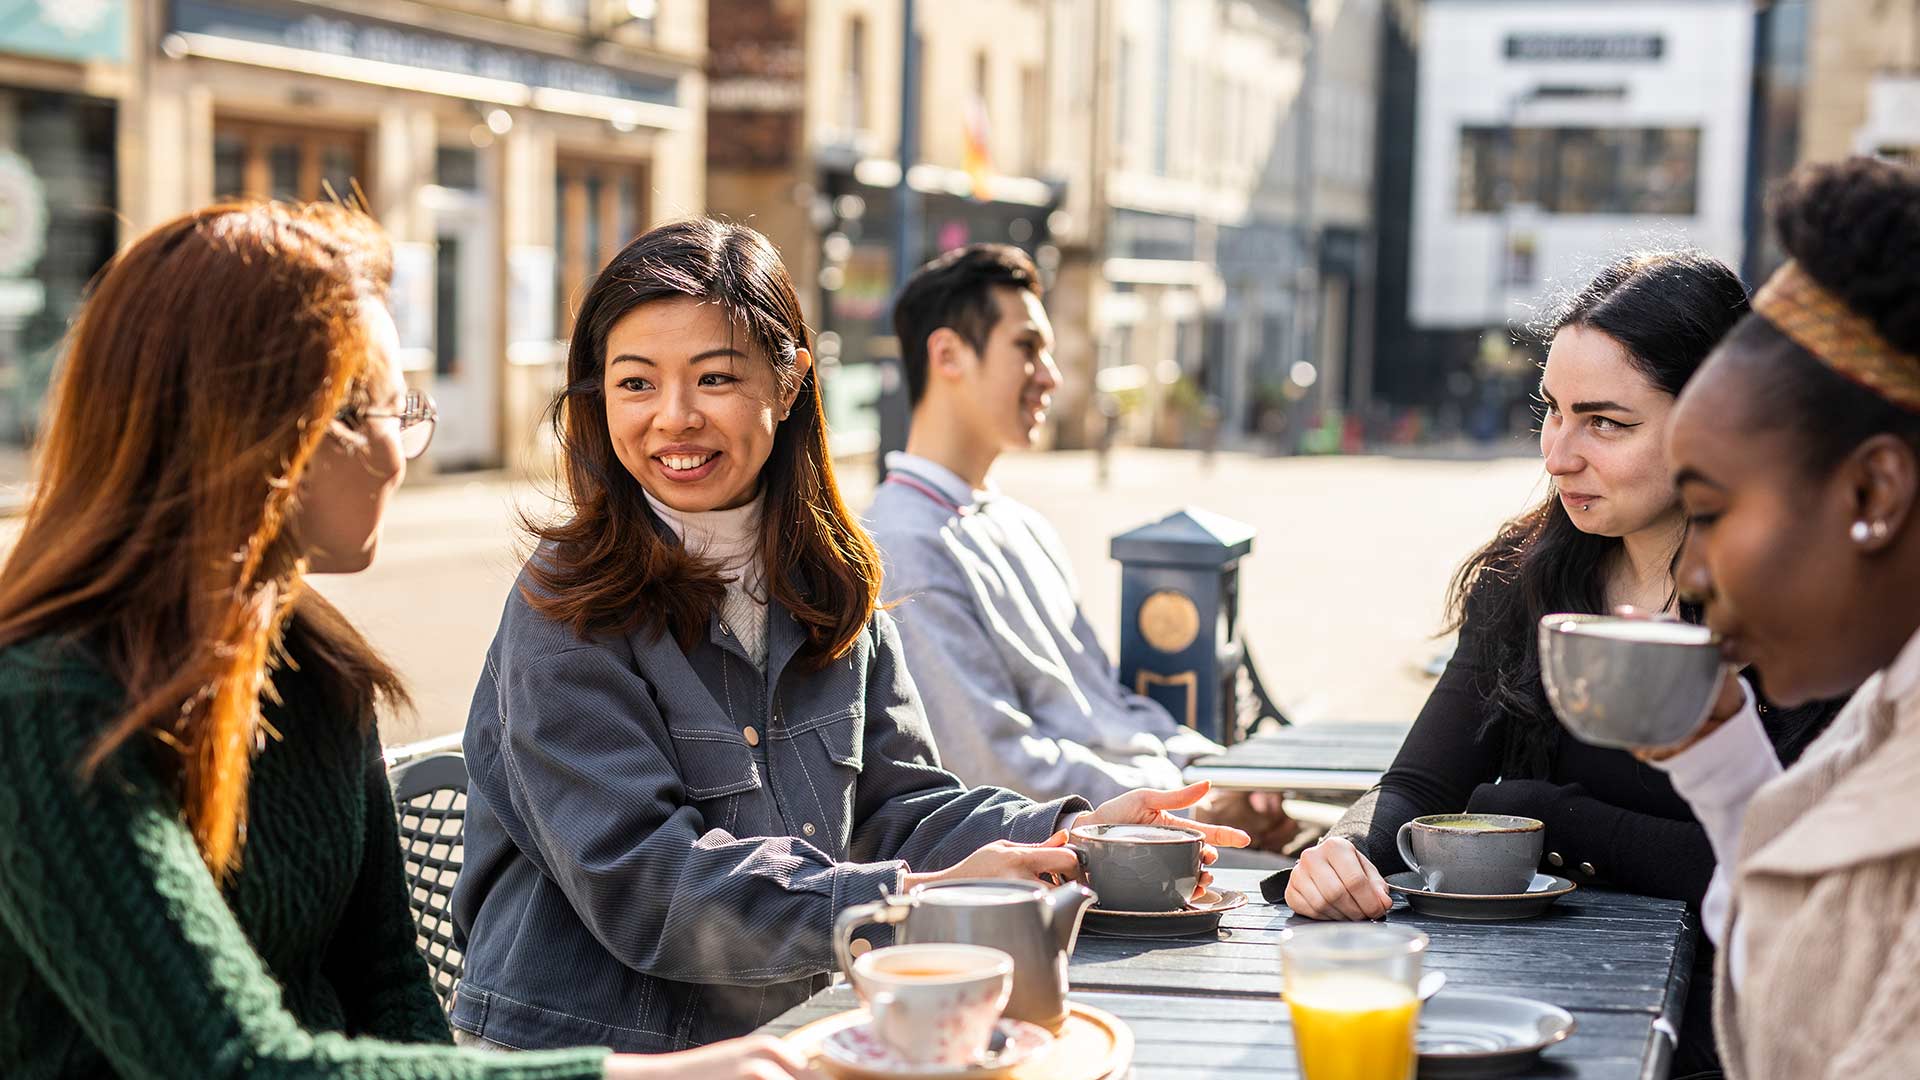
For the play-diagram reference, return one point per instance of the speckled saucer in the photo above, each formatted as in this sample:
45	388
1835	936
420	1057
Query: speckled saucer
1540	895
1200	916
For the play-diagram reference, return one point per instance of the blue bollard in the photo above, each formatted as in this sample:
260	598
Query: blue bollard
1180	615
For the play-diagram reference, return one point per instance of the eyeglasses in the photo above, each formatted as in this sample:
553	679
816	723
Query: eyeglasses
417	417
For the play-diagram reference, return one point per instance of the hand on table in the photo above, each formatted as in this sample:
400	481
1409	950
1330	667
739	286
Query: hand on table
756	1057
1334	881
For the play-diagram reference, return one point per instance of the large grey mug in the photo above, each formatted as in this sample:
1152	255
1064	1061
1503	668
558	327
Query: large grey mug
1481	854
1139	867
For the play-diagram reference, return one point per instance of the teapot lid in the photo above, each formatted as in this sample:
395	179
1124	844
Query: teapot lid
980	893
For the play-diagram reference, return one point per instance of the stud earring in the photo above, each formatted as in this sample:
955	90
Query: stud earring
1861	532
1879	530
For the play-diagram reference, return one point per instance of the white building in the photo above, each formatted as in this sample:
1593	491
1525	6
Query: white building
1554	135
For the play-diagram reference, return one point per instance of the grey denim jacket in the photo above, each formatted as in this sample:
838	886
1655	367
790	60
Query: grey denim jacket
658	840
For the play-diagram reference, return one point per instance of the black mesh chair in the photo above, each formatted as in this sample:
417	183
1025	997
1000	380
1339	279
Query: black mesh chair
430	797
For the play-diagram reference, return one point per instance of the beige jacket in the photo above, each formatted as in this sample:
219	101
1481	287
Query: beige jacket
1826	899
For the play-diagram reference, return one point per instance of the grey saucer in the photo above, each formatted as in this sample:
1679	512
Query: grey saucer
1200	916
1540	895
1486	1034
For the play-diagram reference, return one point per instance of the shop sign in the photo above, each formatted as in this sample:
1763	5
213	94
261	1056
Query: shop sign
331	34
65	29
1641	48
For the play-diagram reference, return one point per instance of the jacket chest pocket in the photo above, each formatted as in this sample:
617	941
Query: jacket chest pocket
714	764
841	735
817	773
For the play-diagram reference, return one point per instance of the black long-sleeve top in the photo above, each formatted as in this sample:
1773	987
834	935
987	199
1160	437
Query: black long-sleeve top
1609	819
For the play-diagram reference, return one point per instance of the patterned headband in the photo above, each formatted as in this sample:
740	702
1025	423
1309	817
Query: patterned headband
1822	323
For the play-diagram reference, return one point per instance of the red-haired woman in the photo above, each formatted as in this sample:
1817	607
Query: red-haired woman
199	873
695	739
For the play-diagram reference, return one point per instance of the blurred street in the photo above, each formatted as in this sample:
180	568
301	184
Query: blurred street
1342	594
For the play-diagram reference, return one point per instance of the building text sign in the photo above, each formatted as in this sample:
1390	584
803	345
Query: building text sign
319	31
1613	47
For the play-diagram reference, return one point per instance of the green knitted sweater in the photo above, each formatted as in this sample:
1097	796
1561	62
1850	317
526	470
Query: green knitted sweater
120	953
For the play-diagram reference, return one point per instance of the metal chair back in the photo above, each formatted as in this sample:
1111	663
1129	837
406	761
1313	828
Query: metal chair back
430	798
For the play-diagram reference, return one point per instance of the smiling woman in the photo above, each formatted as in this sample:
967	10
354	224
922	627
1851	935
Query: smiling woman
695	741
690	414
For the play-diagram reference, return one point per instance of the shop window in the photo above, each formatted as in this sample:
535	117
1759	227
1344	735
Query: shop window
598	207
1577	170
57	167
457	167
446	307
273	161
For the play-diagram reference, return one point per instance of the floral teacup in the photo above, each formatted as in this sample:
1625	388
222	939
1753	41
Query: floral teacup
935	1004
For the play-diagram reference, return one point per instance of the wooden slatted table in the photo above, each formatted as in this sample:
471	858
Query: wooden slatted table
1341	757
1209	1007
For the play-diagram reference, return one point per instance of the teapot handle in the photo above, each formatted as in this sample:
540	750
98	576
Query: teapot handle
890	911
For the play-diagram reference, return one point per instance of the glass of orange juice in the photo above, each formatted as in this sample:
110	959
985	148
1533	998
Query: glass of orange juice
1353	991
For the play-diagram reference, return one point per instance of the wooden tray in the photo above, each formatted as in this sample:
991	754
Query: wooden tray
1092	1045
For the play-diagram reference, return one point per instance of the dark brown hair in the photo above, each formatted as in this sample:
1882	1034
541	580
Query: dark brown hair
956	291
1667	310
607	566
200	377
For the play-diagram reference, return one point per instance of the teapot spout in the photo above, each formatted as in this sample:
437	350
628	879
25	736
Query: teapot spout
1065	905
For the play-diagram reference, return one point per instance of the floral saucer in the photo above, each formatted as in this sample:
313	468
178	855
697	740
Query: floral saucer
858	1053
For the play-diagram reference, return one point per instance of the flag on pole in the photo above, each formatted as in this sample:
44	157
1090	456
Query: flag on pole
978	157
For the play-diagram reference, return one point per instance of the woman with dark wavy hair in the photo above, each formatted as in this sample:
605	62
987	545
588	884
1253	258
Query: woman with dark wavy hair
1605	537
695	740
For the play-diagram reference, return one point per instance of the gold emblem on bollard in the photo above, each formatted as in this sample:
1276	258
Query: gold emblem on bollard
1169	621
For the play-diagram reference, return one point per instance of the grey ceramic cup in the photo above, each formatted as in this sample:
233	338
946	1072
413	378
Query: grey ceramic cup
1628	682
1479	854
1139	867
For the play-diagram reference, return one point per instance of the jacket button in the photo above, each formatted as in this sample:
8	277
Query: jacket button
808	829
860	946
1554	859
752	736
1587	869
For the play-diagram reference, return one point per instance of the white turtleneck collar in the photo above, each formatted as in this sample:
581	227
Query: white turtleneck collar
731	539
